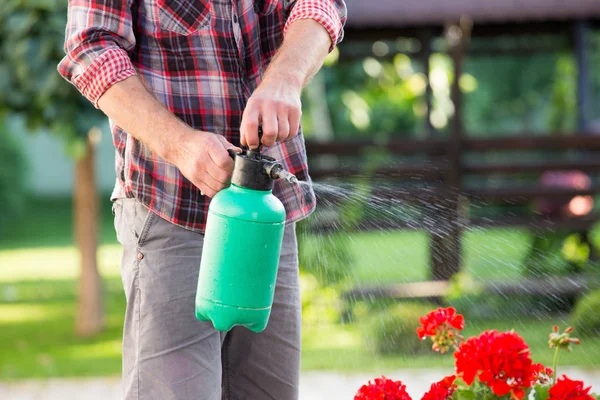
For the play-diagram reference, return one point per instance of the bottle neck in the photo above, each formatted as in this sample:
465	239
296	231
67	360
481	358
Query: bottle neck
250	173
240	188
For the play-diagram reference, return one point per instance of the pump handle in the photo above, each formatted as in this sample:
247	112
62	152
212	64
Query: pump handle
260	135
232	153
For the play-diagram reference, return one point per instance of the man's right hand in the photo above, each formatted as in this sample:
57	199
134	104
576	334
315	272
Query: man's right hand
200	156
203	159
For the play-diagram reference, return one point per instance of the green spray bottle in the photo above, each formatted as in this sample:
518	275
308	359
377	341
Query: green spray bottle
242	244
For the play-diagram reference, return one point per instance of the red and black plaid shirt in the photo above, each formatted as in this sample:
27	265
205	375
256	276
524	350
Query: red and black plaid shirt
202	59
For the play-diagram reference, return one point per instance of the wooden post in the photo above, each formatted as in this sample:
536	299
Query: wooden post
426	38
581	36
89	319
446	245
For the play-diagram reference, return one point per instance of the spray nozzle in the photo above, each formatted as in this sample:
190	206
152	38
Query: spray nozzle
276	171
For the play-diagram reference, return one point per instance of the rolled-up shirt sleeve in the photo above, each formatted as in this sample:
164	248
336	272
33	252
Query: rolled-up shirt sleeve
98	37
331	14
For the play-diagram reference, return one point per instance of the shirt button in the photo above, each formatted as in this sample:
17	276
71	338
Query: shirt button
140	256
235	19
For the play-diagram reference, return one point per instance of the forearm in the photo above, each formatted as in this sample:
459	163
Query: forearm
276	102
302	53
129	104
200	156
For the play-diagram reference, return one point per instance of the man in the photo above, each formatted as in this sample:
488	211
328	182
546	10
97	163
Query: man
182	81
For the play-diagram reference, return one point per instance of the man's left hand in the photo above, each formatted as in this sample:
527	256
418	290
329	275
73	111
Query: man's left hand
276	105
276	102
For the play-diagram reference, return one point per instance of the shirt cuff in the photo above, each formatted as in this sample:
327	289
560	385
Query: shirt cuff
111	67
324	12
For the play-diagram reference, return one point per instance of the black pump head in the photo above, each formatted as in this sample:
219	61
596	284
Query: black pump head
256	171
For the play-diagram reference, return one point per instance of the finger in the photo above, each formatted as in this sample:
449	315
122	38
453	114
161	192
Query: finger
294	121
210	185
269	124
249	126
228	145
218	174
205	190
283	126
219	156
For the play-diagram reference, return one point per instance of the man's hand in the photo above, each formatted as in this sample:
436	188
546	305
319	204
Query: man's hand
200	156
276	102
203	159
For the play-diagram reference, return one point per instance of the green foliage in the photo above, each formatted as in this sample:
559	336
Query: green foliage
31	46
594	233
477	391
556	254
585	318
511	93
541	392
563	107
393	330
376	96
327	257
320	305
12	173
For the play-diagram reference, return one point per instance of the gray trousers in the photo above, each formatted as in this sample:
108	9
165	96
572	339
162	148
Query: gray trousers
167	352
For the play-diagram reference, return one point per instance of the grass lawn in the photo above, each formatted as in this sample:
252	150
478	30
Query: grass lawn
37	309
404	256
335	347
38	270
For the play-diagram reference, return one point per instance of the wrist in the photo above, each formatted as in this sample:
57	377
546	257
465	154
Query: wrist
175	143
290	78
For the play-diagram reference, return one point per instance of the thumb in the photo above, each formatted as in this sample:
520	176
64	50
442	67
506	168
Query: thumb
227	145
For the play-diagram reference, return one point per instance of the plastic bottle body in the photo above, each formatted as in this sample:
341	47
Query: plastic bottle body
240	259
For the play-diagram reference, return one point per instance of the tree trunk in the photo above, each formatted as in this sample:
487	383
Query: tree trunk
446	250
89	319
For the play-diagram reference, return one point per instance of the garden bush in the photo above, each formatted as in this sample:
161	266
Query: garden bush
327	257
320	304
469	296
393	331
555	254
585	317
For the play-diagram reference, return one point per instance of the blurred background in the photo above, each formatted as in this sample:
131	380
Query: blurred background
454	148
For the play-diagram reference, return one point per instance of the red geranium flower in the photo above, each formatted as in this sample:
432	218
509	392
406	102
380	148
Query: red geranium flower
443	326
441	390
566	389
500	360
382	389
540	374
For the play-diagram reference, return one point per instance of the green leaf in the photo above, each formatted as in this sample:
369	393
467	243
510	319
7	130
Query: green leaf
463	394
541	392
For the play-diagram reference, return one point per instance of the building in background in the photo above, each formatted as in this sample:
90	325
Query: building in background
50	170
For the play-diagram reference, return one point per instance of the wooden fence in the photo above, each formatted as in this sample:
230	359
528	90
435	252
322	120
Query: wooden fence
445	169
